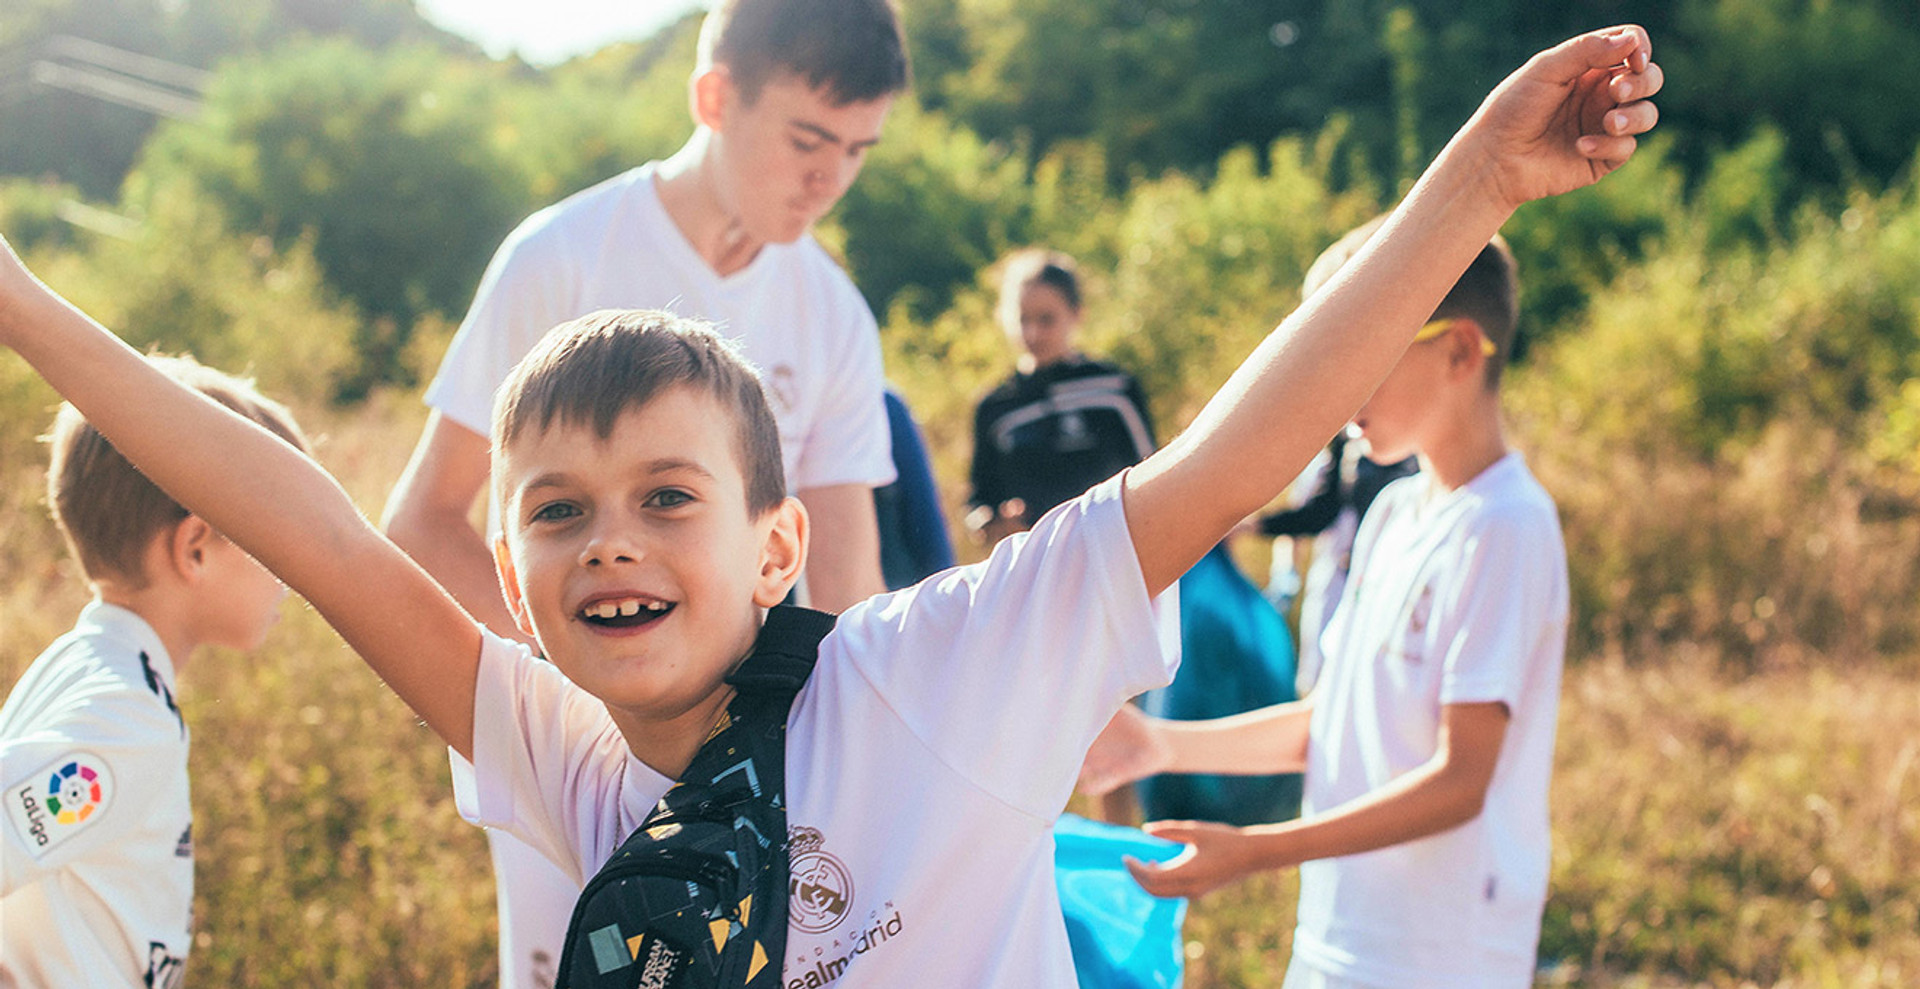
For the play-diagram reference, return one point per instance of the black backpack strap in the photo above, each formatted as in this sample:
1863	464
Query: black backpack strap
784	652
696	897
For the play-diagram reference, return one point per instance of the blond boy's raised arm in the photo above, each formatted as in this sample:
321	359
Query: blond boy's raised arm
261	493
1562	121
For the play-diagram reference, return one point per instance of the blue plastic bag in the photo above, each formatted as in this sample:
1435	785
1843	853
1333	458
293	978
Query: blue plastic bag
1236	654
1122	936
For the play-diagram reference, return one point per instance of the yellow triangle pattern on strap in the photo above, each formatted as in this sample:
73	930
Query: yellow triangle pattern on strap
633	944
719	929
746	910
759	961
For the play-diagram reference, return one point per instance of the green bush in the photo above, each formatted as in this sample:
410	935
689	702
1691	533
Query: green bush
1729	434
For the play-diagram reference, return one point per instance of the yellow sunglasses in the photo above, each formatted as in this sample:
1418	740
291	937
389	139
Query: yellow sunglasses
1441	326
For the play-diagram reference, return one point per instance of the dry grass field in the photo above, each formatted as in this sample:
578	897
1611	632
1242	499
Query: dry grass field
1709	830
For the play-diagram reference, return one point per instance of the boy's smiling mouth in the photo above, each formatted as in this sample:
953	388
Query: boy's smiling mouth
623	611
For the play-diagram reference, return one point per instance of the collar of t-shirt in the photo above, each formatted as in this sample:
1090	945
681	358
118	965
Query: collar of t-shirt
1434	499
121	625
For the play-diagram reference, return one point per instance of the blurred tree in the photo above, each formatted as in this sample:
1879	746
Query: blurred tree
56	127
380	158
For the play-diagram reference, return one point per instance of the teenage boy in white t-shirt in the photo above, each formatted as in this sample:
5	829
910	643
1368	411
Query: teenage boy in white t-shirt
647	531
96	852
1428	741
788	96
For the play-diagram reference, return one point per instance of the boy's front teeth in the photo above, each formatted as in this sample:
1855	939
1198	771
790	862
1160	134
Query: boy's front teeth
622	609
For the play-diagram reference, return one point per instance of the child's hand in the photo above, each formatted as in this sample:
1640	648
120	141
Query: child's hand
1130	747
1216	854
1568	117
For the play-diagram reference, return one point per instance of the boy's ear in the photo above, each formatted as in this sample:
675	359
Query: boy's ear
186	545
1466	357
709	95
510	585
783	553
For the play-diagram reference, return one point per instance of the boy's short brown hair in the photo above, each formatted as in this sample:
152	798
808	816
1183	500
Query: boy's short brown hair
589	371
852	48
107	510
1488	292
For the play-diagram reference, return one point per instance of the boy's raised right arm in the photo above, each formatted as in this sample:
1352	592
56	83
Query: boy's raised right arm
1562	121
261	493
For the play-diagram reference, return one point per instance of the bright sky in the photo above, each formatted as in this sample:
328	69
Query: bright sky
545	32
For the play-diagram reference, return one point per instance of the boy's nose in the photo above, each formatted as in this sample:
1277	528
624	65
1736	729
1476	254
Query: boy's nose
609	547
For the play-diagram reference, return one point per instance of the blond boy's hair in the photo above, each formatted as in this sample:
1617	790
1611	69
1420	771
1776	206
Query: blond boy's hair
1488	292
107	510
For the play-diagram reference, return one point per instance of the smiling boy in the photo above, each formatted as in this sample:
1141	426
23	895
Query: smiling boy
939	734
788	97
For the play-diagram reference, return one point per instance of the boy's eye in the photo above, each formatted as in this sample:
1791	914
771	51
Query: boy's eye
668	498
805	147
554	512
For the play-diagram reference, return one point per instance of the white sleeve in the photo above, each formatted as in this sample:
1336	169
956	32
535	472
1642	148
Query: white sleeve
1502	598
849	441
1008	668
525	292
547	760
73	791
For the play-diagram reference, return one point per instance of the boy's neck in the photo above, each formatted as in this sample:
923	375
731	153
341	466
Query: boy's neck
1468	443
161	611
668	746
689	190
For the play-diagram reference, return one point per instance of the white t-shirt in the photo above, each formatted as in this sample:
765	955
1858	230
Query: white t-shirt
796	315
96	846
927	757
1454	597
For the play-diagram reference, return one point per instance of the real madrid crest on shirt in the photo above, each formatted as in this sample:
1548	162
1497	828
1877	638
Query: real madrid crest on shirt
819	887
57	801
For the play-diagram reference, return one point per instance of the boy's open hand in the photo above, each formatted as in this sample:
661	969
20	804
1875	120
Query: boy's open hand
1569	116
1128	748
1216	854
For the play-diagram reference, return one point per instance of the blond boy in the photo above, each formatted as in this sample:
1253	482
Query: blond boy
939	733
96	852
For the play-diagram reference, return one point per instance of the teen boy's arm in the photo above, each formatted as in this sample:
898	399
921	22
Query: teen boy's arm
843	563
428	516
1561	122
267	497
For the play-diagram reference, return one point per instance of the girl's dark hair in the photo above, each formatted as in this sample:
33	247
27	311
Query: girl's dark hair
1043	267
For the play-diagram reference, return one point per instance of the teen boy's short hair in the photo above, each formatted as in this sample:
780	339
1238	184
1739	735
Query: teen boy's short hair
107	510
853	48
1487	293
589	371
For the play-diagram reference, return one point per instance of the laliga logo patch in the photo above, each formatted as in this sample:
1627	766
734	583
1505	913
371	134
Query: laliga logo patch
819	887
55	802
74	793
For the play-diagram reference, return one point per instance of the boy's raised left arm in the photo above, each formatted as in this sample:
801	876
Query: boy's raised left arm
1562	121
261	493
